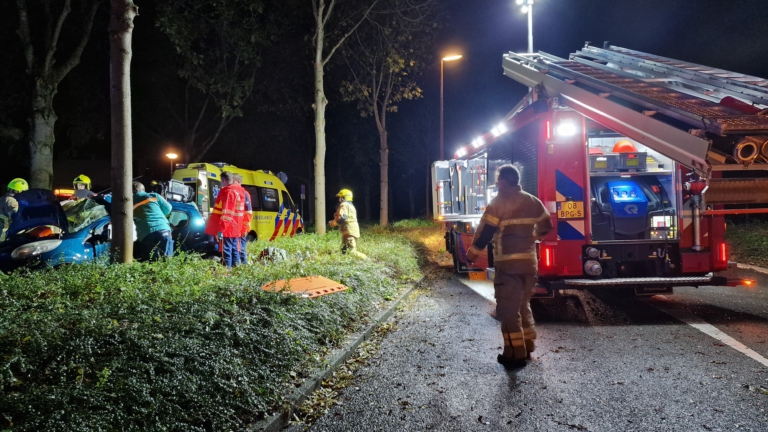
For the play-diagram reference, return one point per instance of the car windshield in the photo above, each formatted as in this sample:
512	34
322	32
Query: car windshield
82	213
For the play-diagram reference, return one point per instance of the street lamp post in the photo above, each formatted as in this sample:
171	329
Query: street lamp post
527	7
172	157
442	61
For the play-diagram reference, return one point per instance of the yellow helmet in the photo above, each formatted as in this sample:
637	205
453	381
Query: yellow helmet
346	194
82	179
18	185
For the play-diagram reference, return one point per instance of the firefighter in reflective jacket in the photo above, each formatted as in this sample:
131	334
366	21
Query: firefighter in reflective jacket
514	220
346	219
9	206
226	220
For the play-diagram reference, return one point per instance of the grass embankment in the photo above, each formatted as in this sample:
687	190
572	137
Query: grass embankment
748	242
179	345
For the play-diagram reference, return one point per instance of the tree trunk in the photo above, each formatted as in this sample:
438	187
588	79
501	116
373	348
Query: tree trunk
41	136
411	201
120	34
428	202
368	198
384	176
320	104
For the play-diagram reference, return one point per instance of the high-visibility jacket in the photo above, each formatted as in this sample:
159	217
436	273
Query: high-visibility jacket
149	214
228	212
8	208
514	220
346	218
247	213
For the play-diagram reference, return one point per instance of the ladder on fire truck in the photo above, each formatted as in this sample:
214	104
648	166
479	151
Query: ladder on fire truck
707	119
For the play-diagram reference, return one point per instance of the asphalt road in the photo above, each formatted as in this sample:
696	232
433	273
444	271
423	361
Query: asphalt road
605	361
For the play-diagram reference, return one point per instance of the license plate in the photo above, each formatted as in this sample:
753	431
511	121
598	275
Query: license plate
570	210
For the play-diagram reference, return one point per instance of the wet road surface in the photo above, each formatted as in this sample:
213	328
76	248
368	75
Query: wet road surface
605	361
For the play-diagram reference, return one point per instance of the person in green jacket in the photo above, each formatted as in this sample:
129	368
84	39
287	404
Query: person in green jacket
153	231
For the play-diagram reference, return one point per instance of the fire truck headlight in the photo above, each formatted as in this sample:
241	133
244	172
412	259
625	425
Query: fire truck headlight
593	252
566	128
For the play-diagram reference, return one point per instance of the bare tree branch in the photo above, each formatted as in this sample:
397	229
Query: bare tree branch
74	59
26	39
54	40
352	30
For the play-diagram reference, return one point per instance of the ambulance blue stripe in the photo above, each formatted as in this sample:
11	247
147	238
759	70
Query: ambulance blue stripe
567	187
566	231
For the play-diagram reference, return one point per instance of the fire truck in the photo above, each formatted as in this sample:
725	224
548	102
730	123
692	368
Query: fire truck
638	159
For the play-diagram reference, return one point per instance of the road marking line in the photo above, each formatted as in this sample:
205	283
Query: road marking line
699	324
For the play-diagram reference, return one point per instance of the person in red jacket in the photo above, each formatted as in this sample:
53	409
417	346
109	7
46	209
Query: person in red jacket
226	220
247	215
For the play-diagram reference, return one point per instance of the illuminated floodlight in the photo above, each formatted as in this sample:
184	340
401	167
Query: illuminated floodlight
477	142
499	129
524	9
566	129
519	2
461	152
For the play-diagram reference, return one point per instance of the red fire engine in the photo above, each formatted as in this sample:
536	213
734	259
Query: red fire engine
637	157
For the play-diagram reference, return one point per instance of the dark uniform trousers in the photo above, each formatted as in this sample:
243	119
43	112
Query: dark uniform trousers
513	221
513	294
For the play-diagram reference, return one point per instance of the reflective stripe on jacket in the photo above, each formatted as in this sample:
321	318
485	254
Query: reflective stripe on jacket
514	220
247	214
8	208
227	214
149	214
346	217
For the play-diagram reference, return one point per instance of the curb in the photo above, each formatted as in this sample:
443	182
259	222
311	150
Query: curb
279	421
753	268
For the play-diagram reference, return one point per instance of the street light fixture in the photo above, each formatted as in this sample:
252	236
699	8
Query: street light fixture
527	8
172	156
442	61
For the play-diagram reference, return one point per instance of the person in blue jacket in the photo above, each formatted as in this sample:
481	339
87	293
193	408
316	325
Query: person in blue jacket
153	231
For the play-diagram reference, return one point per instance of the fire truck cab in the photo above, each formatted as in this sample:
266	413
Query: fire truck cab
635	168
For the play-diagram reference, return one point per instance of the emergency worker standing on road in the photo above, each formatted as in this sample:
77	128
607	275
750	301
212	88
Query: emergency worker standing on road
346	219
226	220
9	206
82	185
514	220
247	215
153	231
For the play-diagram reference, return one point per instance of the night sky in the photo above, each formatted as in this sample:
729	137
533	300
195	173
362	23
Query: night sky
730	34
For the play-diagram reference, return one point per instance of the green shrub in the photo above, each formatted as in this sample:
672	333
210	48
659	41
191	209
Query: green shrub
748	242
181	344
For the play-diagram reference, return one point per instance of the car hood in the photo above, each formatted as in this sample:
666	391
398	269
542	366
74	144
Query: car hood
38	207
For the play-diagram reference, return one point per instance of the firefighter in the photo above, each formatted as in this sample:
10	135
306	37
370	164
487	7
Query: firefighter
513	221
226	220
247	215
346	219
9	206
153	231
82	185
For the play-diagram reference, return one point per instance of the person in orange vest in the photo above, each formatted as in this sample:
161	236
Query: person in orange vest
513	221
247	215
226	220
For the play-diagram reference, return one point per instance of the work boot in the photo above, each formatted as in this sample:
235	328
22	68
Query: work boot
510	363
530	346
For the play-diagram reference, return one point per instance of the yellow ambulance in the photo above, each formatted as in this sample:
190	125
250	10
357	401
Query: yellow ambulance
274	212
